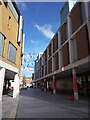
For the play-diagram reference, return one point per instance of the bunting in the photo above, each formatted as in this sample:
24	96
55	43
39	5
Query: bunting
28	61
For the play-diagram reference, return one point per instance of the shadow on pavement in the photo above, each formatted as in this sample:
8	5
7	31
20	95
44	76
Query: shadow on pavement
48	96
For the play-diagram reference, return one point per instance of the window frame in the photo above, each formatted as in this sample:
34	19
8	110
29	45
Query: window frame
3	45
15	53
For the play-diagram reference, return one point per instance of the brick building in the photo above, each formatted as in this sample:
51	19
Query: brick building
64	65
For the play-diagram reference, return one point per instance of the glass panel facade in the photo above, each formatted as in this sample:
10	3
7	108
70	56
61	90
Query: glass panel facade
12	53
64	12
1	44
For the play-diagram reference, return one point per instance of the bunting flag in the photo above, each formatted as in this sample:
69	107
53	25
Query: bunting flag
28	61
29	53
33	54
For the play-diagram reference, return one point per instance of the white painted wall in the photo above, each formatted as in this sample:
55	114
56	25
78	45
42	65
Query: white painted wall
16	86
9	67
2	75
20	29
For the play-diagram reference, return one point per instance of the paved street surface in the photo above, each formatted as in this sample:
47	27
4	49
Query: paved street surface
9	106
39	104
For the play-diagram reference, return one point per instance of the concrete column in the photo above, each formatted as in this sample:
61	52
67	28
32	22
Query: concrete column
59	53
54	85
75	88
45	84
52	63
2	75
44	64
71	51
59	39
16	86
47	58
60	59
70	42
87	9
51	47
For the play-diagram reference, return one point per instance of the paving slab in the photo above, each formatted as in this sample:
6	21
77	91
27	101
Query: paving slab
39	104
9	106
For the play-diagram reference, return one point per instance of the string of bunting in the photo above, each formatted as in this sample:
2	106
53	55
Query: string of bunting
28	61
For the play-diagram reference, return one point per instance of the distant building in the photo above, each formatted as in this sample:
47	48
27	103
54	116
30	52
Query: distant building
28	81
64	65
11	44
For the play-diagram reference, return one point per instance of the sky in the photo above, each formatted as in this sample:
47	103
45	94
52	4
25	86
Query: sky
41	21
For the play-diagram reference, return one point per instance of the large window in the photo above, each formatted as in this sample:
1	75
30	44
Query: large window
12	53
1	44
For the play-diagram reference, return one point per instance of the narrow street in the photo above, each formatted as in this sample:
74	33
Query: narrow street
38	104
44	59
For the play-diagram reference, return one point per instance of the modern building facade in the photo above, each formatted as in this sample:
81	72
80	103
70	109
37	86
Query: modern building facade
11	44
64	65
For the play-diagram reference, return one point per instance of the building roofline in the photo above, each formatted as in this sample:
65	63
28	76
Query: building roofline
15	6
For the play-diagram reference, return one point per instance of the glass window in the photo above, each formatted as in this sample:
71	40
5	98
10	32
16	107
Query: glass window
64	12
12	53
1	44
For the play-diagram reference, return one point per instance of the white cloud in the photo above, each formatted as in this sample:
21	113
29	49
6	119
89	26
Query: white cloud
45	29
34	41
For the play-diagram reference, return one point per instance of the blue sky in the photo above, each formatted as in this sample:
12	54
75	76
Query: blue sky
41	21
